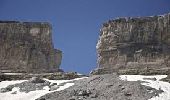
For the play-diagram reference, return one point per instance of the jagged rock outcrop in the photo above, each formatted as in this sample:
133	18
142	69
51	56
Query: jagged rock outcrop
27	47
135	46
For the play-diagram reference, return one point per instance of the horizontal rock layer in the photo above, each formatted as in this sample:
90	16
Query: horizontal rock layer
133	45
27	47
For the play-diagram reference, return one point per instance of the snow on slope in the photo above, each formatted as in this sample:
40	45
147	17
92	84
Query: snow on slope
4	84
157	84
33	94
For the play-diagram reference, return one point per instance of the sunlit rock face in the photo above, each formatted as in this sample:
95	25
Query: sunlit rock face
135	45
27	47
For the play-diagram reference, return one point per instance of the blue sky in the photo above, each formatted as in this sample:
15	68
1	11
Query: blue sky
76	23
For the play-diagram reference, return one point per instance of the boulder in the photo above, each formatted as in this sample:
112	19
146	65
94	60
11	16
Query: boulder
36	80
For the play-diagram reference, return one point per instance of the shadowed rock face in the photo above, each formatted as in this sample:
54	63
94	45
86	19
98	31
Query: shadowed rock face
136	45
27	47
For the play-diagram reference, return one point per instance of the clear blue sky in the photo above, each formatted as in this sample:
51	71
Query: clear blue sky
76	23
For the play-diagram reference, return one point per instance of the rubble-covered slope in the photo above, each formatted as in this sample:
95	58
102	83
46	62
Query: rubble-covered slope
104	87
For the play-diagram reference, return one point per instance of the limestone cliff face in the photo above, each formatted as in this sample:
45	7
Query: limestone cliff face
141	45
27	47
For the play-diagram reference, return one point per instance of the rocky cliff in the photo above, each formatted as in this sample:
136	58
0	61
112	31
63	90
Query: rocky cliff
27	47
135	45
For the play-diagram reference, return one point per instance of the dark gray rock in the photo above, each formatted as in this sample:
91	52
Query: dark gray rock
37	80
104	87
27	47
135	45
63	76
27	86
7	89
82	92
15	92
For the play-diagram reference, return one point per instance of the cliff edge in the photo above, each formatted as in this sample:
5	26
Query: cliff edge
27	47
138	45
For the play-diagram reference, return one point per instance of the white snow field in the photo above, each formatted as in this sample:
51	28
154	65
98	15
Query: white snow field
33	94
151	81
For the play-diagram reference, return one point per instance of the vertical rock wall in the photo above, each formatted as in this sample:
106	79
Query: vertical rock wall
27	47
135	45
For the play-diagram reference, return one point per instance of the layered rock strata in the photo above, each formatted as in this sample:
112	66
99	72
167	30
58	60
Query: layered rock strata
135	45
27	47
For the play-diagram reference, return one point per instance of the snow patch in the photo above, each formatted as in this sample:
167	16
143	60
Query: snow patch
15	94
157	84
13	73
4	84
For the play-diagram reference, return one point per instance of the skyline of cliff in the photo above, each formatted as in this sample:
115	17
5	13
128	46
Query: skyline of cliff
76	24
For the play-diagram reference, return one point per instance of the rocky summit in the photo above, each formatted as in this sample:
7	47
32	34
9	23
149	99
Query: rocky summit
138	45
27	47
